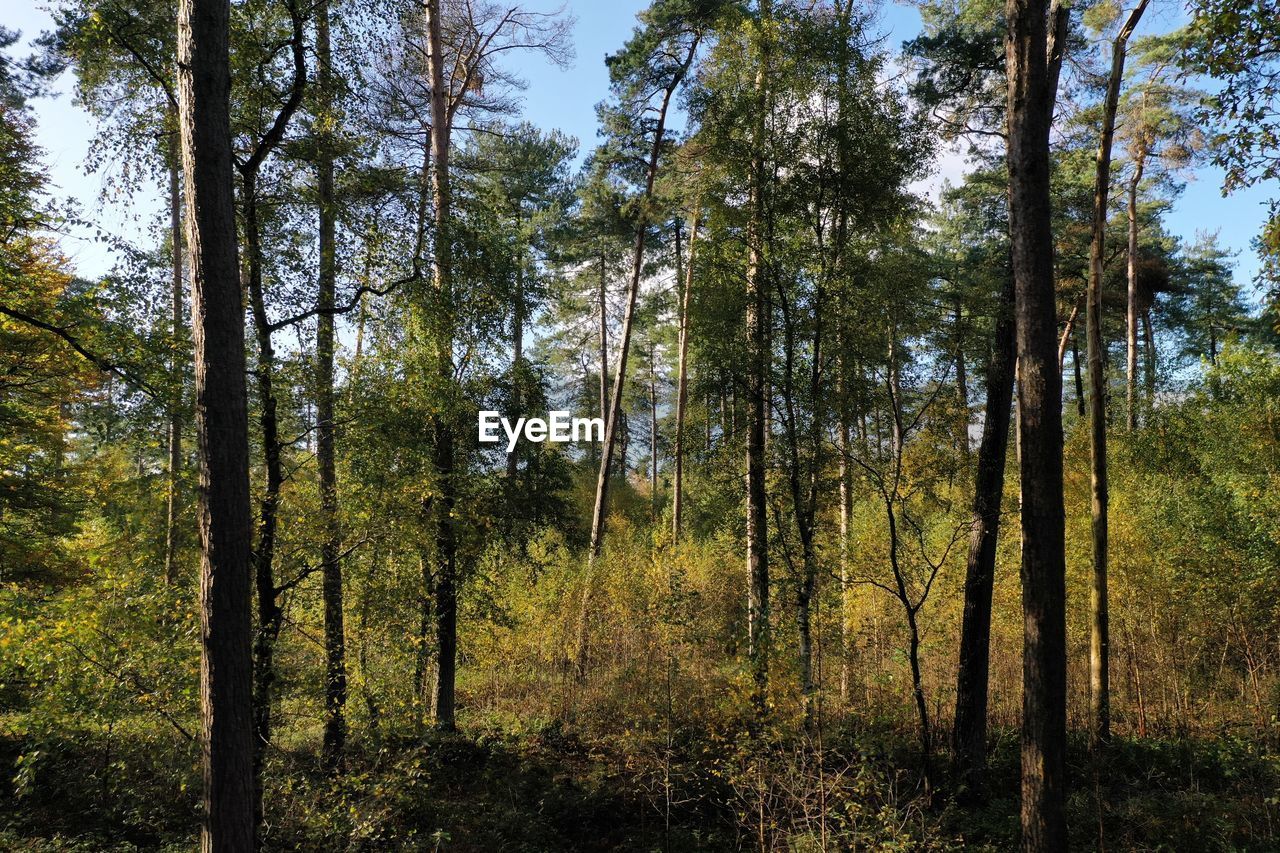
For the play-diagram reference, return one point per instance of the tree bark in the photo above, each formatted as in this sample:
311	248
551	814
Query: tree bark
988	495
1030	62
222	431
335	693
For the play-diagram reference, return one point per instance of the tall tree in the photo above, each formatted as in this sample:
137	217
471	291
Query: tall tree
222	430
654	62
757	335
1032	57
335	694
1099	635
477	37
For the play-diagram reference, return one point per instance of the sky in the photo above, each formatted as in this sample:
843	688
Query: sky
562	98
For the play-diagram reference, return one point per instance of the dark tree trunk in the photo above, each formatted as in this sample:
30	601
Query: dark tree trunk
335	692
1030	62
988	494
270	615
602	309
222	431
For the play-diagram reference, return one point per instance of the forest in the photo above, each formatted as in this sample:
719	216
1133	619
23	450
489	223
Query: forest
926	513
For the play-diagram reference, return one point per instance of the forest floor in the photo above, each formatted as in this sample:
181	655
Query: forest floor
554	791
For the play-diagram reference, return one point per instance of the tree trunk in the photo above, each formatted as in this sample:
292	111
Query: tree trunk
682	391
1149	370
222	431
269	612
846	513
335	693
1099	636
517	350
653	435
962	391
757	334
1079	376
177	360
1031	59
446	601
602	297
1131	314
988	494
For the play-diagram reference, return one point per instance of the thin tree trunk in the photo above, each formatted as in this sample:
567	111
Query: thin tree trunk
270	615
1099	636
177	360
1031	62
222	430
269	612
517	349
1079	376
335	694
653	435
1068	335
988	493
1149	371
602	295
757	335
846	512
1131	314
682	391
962	391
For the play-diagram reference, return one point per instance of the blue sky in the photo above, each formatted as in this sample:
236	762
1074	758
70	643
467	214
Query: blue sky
560	98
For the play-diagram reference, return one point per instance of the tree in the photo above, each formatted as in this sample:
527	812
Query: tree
757	332
478	36
335	695
964	84
523	174
1100	643
204	84
1033	57
654	62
